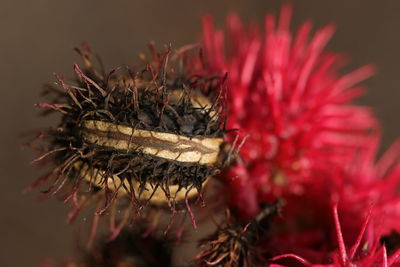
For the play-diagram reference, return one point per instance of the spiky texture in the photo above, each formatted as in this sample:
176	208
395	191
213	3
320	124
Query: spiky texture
154	97
235	244
308	143
287	96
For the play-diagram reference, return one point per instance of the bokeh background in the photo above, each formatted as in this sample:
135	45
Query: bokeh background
36	40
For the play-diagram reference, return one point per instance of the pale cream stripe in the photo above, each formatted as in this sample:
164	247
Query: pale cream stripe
193	156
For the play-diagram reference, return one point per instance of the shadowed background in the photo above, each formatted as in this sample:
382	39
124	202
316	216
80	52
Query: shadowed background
36	40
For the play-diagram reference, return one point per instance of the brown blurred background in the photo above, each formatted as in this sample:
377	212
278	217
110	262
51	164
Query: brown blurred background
36	40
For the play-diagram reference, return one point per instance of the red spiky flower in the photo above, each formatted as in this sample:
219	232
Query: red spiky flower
307	143
287	96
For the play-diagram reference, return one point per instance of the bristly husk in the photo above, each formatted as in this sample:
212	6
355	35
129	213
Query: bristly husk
156	99
235	244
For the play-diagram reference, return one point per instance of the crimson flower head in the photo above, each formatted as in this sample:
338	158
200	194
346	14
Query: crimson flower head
304	141
291	104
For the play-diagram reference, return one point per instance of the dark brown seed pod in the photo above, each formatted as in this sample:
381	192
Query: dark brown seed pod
235	244
151	134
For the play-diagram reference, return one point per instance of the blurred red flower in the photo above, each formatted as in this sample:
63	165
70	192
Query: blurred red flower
365	201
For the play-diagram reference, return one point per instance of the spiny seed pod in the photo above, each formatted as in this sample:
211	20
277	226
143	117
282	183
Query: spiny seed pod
148	136
235	244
